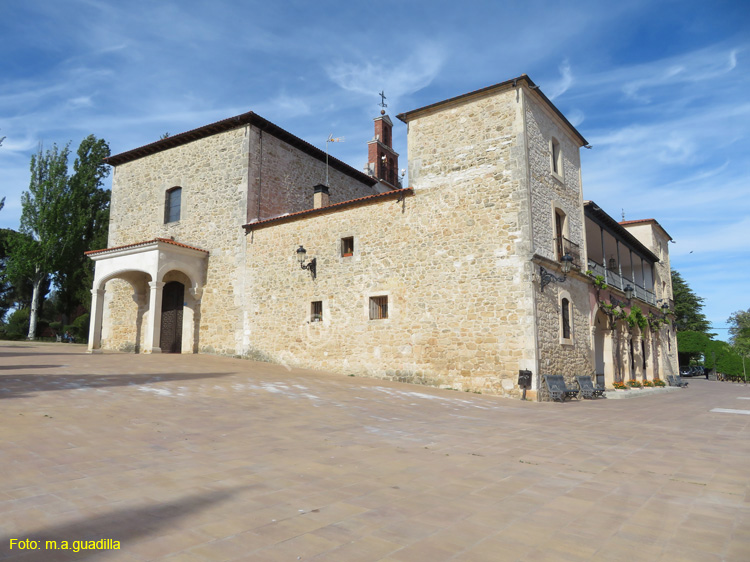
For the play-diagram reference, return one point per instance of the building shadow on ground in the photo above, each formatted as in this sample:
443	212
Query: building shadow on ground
17	385
124	525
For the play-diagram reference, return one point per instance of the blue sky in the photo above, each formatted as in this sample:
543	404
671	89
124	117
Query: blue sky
661	89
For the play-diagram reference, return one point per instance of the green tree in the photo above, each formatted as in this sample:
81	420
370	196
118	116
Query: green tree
739	331
691	345
739	335
44	223
688	307
88	222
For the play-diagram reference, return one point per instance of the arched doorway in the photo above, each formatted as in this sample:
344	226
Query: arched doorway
173	299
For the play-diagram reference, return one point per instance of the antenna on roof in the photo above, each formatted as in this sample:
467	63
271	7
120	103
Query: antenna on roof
623	215
331	139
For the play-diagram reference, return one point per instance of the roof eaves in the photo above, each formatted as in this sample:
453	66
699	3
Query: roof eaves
144	243
595	211
396	193
653	221
249	118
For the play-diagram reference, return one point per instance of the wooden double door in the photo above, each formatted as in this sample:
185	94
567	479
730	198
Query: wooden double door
172	302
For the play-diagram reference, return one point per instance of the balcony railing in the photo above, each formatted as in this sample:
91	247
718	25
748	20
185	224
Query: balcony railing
565	246
616	280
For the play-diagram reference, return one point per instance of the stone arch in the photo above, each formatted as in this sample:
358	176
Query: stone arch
126	292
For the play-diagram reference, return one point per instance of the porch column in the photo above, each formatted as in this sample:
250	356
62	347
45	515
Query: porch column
153	328
95	326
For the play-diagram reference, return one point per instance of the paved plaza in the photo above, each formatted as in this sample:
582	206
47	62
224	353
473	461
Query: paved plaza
195	458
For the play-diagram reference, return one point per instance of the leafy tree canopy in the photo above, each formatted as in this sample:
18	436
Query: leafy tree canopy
739	331
688	306
62	216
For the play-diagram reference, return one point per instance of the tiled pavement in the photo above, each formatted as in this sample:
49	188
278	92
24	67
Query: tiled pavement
191	458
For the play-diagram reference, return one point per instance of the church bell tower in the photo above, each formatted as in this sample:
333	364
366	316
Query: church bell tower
382	160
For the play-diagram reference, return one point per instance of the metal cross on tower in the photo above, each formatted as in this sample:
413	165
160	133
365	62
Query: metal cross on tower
382	99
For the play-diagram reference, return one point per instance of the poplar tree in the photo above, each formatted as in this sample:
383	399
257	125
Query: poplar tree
45	217
88	208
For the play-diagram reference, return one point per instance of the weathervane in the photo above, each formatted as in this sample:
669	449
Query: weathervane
330	138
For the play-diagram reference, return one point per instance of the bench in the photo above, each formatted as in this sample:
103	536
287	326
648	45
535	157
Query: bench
676	381
556	388
587	387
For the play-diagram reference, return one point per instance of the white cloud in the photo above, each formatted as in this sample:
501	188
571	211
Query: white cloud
407	76
566	81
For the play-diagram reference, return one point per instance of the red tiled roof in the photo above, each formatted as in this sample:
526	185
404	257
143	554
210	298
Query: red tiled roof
145	243
335	207
638	221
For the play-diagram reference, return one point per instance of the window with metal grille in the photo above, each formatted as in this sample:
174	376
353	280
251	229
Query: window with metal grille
566	319
347	246
316	311
378	308
172	204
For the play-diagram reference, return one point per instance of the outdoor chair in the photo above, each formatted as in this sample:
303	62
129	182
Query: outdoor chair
676	381
556	388
588	390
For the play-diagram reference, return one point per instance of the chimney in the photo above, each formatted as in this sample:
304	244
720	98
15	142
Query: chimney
320	196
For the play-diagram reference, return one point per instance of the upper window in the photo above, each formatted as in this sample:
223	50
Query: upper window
556	157
565	305
559	233
172	204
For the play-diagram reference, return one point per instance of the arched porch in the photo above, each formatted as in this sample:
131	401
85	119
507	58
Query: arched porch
147	267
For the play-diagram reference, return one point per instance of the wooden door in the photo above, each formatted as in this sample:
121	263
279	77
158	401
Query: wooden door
172	300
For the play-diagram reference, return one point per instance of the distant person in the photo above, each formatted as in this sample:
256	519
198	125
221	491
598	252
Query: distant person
67	338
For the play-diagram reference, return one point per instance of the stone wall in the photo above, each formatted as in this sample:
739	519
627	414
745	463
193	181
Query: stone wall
213	174
217	174
283	177
550	191
452	260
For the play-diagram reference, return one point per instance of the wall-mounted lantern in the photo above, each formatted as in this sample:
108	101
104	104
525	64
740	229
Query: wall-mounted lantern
301	255
629	291
547	277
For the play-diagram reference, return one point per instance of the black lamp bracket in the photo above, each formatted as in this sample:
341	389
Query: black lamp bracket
547	277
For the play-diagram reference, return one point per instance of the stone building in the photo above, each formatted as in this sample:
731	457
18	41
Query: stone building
226	239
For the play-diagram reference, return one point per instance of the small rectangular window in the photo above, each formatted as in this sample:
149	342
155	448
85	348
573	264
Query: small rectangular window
378	308
316	311
347	246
